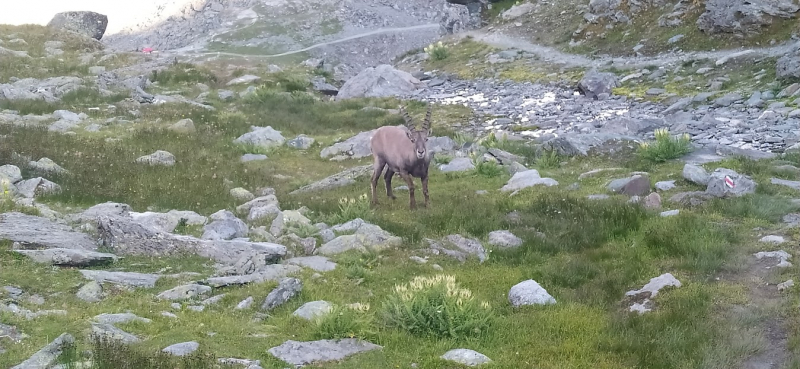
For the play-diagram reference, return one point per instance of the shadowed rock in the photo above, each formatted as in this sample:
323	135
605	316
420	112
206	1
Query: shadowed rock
34	232
287	289
68	257
87	23
341	179
127	237
130	279
48	355
271	272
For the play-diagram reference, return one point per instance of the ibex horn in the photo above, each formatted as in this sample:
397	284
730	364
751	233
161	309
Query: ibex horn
426	125
409	123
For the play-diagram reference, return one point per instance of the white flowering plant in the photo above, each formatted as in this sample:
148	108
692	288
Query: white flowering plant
437	51
438	307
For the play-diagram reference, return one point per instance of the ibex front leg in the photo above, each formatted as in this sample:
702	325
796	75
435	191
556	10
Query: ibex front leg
425	190
410	182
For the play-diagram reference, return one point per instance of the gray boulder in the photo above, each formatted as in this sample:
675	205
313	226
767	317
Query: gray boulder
287	289
159	157
306	353
182	349
696	174
466	357
110	332
224	226
458	247
525	179
10	173
529	293
341	179
457	165
128	279
49	89
743	16
272	272
263	137
87	23
68	257
38	186
184	292
365	237
313	309
595	83
504	239
48	355
718	186
788	66
34	232
90	292
167	222
301	142
381	81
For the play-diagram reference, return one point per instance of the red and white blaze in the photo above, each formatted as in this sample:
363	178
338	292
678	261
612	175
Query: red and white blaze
729	182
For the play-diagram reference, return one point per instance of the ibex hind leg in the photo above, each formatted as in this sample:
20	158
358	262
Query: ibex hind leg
377	168
387	178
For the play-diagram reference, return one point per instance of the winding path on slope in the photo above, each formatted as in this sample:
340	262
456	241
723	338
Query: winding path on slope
554	55
545	53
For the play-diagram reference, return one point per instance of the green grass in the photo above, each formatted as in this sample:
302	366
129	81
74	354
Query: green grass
592	252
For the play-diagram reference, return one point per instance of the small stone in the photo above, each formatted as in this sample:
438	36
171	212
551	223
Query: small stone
253	157
287	288
182	349
665	185
529	293
504	239
652	201
159	157
90	292
187	291
777	240
183	126
169	315
245	304
241	194
466	357
418	259
670	213
301	142
313	309
785	285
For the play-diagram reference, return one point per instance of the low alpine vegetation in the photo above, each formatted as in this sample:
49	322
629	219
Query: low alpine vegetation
665	147
438	307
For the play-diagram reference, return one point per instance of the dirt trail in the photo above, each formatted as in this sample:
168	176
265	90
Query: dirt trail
321	44
553	55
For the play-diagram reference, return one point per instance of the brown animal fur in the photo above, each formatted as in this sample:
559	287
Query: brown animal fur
402	151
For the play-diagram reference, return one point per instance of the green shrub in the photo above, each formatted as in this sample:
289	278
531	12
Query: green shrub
183	73
488	169
437	307
352	321
548	159
665	147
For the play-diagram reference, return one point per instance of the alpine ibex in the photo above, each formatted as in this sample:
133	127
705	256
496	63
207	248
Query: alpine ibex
403	151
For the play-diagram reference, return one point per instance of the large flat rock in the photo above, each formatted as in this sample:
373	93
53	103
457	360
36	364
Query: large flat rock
304	353
68	257
34	232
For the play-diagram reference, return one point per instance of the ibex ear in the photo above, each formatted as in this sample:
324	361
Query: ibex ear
409	135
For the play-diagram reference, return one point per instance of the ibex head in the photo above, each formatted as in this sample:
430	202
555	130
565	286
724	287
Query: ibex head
418	137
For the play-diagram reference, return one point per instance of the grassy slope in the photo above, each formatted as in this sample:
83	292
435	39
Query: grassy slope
594	251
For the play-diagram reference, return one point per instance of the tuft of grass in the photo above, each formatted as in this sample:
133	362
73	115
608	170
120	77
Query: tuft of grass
488	169
665	147
345	322
702	246
753	206
111	354
437	307
183	73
